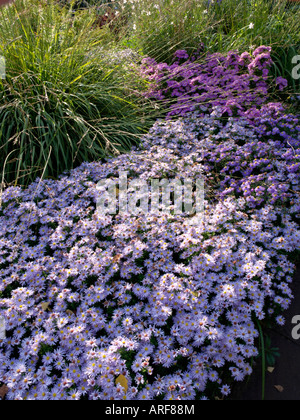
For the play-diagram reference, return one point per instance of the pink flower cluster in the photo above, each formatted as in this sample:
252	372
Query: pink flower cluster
235	82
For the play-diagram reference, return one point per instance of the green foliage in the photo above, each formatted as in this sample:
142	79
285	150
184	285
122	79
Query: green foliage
62	102
160	28
283	66
272	353
65	100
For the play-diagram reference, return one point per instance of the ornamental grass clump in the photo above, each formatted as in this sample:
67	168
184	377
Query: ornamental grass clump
159	28
149	307
61	104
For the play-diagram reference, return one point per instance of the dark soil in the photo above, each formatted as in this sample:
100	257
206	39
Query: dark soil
286	374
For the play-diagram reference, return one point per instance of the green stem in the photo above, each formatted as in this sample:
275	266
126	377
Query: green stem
263	356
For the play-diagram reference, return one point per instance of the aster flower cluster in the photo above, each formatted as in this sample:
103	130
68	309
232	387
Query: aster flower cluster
168	306
235	82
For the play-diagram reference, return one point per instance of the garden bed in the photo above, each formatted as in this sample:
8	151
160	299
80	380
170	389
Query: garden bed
150	306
